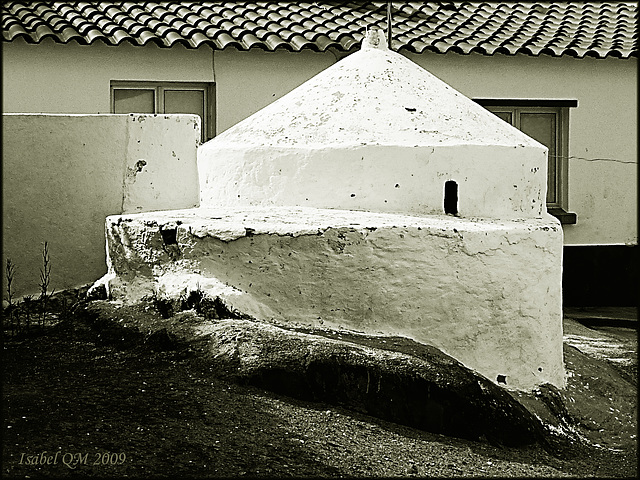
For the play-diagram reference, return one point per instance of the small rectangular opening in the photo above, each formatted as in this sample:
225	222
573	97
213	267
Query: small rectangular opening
451	197
169	236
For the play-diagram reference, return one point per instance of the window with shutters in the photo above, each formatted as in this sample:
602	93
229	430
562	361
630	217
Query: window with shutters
167	97
546	121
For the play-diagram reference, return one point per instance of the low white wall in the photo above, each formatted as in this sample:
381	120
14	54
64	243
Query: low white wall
64	174
485	292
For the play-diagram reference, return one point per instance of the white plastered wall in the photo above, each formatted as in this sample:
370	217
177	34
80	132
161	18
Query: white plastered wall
398	179
486	292
603	128
71	78
603	193
63	174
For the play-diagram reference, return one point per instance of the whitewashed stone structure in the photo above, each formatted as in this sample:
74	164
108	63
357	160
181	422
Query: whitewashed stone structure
376	132
329	207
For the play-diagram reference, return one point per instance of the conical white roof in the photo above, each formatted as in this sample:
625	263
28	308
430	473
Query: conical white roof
373	97
378	133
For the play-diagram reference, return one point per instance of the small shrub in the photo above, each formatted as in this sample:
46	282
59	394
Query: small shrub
193	300
27	306
45	279
11	312
10	273
163	305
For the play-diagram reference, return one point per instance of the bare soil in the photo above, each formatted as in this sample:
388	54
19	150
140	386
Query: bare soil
82	399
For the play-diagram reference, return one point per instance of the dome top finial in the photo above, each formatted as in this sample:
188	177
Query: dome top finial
374	38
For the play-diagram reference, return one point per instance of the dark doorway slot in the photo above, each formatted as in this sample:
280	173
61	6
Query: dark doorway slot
169	236
451	197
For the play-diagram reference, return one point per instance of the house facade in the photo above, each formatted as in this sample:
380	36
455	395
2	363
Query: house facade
564	73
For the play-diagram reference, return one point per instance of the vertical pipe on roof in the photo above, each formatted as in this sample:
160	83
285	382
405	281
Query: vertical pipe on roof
213	115
389	24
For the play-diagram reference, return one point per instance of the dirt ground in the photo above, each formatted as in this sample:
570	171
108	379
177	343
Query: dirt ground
79	401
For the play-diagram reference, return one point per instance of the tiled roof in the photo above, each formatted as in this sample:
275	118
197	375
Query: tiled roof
578	29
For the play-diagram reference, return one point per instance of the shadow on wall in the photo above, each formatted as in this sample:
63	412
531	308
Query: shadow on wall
600	275
63	174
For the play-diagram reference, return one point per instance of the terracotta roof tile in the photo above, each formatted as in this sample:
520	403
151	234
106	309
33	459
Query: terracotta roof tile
597	29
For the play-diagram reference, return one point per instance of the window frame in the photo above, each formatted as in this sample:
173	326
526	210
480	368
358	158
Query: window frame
561	109
208	130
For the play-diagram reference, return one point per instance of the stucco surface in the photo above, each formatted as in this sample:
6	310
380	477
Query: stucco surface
160	171
484	291
63	174
72	78
493	181
375	132
378	97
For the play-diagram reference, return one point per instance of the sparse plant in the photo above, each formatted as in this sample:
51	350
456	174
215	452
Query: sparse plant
64	312
163	304
16	325
10	273
26	302
45	280
194	299
11	312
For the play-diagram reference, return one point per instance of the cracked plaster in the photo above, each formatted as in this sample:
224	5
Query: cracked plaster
482	290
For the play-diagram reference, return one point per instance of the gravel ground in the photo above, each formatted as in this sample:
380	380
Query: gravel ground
71	391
